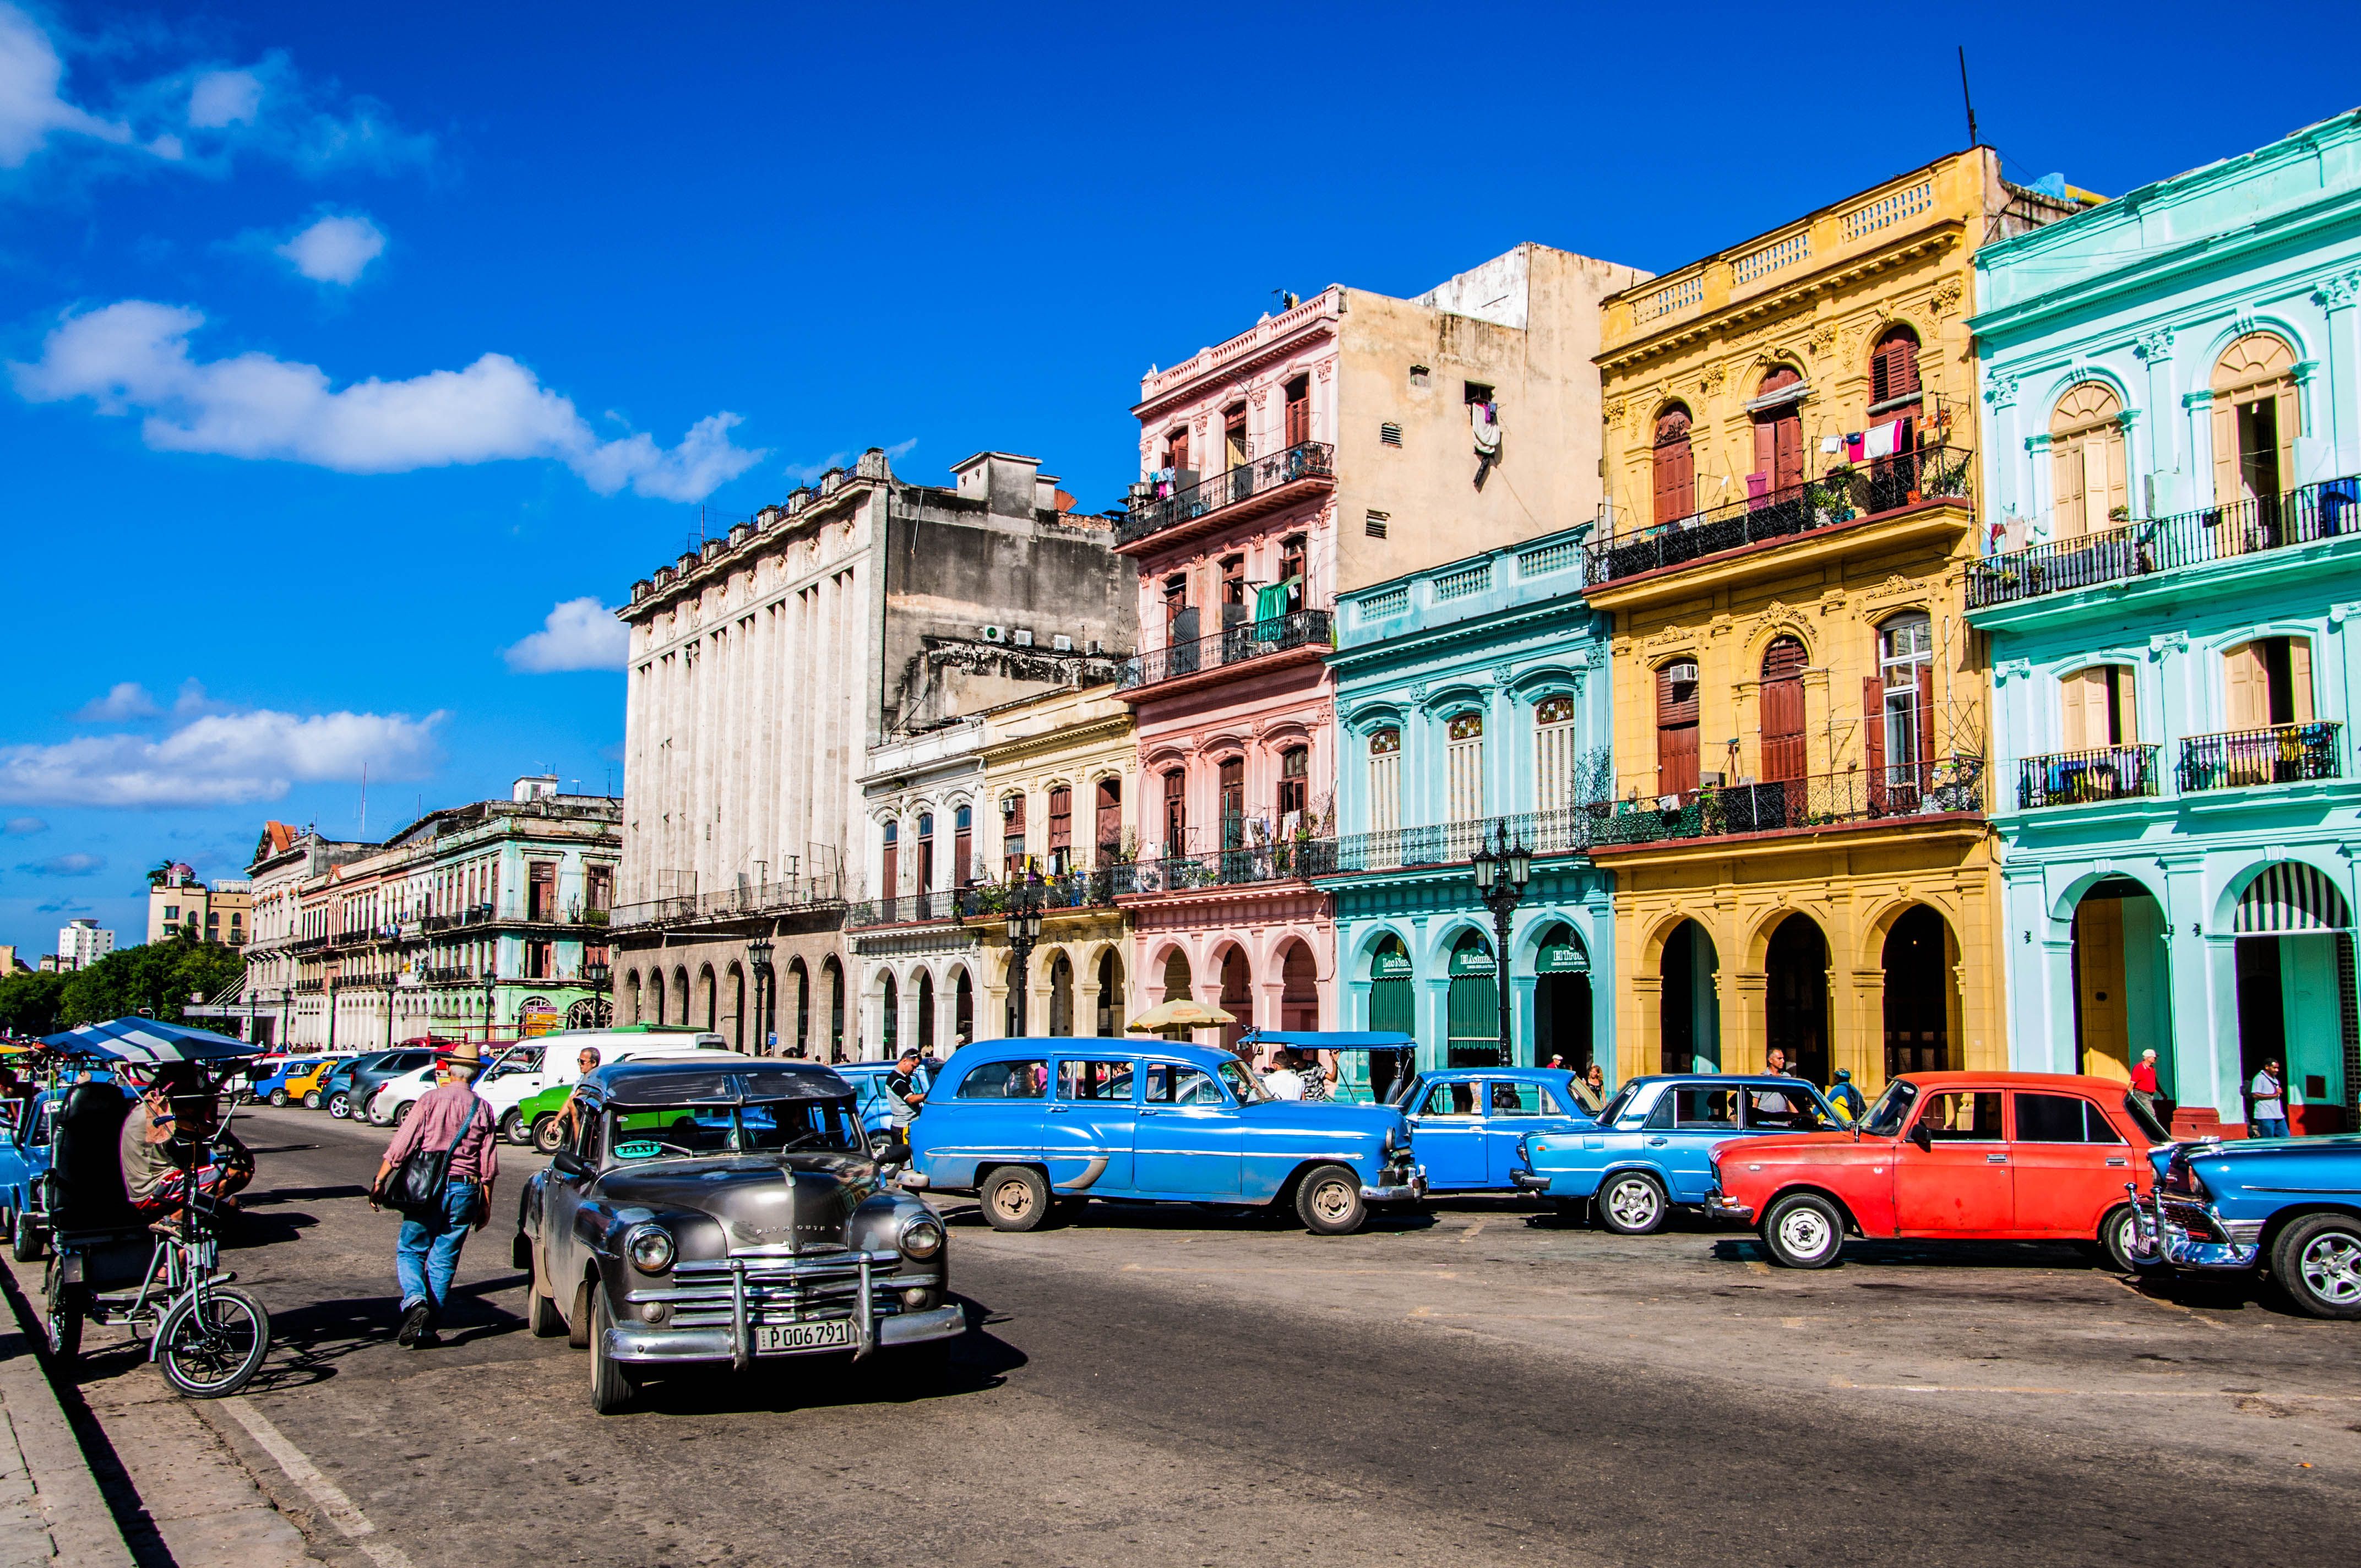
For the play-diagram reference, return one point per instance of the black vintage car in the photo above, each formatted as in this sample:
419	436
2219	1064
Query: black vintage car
725	1210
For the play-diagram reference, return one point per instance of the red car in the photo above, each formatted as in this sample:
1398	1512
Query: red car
1971	1156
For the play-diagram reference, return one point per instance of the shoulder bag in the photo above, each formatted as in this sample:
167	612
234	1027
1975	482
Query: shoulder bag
415	1186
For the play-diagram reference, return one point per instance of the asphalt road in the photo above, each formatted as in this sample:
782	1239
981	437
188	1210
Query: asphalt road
1180	1386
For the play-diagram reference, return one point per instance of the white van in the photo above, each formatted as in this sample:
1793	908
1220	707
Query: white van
522	1070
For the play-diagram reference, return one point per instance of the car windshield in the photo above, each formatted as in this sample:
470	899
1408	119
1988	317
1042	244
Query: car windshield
763	1126
2145	1120
1407	1095
1893	1108
1617	1106
1243	1083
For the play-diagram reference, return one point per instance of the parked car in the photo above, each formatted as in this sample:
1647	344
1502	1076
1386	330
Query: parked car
533	1118
25	1133
2288	1206
389	1103
304	1088
281	1075
1034	1126
1650	1150
1955	1155
721	1211
524	1070
1467	1122
346	1089
868	1081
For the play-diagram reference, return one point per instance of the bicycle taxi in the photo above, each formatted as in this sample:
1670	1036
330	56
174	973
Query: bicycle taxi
108	1262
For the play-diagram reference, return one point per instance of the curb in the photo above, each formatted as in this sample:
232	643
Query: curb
67	1504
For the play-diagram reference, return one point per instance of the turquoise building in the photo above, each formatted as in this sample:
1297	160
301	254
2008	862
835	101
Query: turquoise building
1472	697
2171	591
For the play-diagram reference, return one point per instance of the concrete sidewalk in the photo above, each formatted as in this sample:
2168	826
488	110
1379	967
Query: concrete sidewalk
51	1508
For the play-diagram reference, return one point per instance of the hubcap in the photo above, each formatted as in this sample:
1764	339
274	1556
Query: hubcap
1804	1232
2331	1266
1331	1201
1633	1204
1013	1198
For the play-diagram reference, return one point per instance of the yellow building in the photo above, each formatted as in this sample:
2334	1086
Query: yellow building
181	906
1800	850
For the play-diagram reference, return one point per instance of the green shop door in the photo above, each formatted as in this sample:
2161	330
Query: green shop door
1474	1009
1393	1004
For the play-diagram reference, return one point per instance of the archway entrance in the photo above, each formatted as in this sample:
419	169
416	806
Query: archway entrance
1917	959
832	977
1299	999
1061	995
890	1000
1110	1019
1473	1012
1237	997
2122	1001
2296	1002
1393	1004
963	1009
1689	1013
1797	998
926	1041
1562	1000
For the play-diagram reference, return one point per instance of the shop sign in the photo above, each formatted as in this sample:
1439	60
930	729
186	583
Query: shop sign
1562	957
1390	965
1471	961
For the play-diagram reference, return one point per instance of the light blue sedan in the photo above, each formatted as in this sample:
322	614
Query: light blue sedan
1035	1126
1467	1121
1651	1148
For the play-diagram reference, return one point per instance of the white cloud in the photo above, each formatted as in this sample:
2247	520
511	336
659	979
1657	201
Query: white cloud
219	98
580	634
125	700
74	864
133	357
219	760
24	827
336	249
32	99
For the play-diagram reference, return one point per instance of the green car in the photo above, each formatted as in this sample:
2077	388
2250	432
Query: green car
539	1113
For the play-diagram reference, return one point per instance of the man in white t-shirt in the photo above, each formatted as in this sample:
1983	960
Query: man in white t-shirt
1283	1081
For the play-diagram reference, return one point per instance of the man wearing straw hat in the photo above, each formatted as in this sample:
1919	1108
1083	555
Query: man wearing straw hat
426	1255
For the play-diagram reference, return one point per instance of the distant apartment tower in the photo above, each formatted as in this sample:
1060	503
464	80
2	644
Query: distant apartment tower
82	943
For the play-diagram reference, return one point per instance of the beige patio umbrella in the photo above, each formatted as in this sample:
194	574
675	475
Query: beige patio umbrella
1179	1013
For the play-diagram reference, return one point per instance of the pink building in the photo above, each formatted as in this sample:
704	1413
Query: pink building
1352	439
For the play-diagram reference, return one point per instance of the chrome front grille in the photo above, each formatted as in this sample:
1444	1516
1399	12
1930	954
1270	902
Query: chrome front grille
778	1289
2183	1215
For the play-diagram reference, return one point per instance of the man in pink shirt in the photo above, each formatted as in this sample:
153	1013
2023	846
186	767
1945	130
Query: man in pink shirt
450	1115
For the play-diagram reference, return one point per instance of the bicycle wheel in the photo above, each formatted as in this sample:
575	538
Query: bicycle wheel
210	1346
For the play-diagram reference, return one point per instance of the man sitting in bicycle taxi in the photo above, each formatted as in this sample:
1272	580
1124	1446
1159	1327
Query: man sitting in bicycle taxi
175	1149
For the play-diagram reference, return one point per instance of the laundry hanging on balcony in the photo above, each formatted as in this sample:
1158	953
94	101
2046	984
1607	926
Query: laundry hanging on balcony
1270	605
1877	441
1486	418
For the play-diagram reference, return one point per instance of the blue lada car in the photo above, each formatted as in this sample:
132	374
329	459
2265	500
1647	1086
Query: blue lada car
1650	1149
1039	1127
1467	1121
2289	1206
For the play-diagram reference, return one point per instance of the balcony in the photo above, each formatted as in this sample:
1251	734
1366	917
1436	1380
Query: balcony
1858	798
746	898
1255	486
2082	778
1247	641
1564	831
2326	511
1287	860
2239	759
473	915
992	901
1842	497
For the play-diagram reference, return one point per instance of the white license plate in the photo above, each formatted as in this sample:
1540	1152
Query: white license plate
786	1339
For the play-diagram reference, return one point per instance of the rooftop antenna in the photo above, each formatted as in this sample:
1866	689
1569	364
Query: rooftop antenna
1964	99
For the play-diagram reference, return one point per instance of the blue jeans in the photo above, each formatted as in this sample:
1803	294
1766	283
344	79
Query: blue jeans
427	1254
2270	1127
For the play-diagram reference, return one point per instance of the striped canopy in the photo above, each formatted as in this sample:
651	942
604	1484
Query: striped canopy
2290	898
147	1040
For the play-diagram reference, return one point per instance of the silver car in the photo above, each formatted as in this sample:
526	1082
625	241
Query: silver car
721	1211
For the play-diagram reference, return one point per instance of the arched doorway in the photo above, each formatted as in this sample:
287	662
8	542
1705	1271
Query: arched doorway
890	1020
1298	997
1394	1006
709	989
1062	994
1237	997
1111	1003
2296	996
1688	1019
1472	1008
1795	1001
736	1016
655	1012
1917	959
2122	1002
799	984
680	992
1778	437
831	974
926	1041
1561	999
963	1009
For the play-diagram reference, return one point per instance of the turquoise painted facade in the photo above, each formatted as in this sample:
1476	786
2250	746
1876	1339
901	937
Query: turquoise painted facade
2172	598
1471	695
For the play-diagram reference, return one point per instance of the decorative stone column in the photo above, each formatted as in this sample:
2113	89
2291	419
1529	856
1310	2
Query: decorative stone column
2163	467
2337	298
2199	490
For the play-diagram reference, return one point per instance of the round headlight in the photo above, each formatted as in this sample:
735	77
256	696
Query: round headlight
922	1238
650	1248
1389	1140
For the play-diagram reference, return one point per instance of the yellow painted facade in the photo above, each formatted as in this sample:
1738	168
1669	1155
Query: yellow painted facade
1786	328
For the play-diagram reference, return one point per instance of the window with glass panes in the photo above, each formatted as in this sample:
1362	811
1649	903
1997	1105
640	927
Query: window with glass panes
1385	779
1294	786
1906	664
1553	753
1464	765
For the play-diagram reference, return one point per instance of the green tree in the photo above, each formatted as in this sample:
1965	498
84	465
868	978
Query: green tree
30	1002
158	976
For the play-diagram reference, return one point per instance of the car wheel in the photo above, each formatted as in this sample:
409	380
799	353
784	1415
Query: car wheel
1328	1201
340	1105
27	1241
1016	1199
2117	1233
401	1112
1803	1230
311	1100
512	1127
61	1317
279	1099
577	1327
546	1134
611	1386
1632	1204
2317	1261
542	1312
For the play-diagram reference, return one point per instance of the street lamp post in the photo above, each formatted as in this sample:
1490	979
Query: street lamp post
758	960
1502	869
595	972
490	971
1024	930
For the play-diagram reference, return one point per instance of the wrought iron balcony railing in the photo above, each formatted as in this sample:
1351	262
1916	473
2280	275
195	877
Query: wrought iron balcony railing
1842	495
2326	511
749	898
1256	477
1824	800
2079	778
1563	831
2285	753
991	901
1245	641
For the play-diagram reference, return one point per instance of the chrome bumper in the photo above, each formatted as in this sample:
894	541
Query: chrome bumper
1721	1208
1408	1192
645	1344
2158	1236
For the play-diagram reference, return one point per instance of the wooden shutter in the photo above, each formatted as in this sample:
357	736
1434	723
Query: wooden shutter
1110	816
1061	818
2299	678
889	880
2066	512
2126	686
1299	411
1872	709
1676	737
1894	367
1675	467
2226	486
1925	724
1180	443
1766	450
2074	710
2246	687
1783	712
1176	812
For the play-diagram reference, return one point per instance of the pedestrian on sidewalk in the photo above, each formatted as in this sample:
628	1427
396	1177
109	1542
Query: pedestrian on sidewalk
905	1098
2143	1089
2270	1117
426	1255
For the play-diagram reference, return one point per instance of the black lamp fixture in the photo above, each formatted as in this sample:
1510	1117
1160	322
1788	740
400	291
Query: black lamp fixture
1502	871
1024	931
758	963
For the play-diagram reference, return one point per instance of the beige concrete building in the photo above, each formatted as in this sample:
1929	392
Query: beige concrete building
182	905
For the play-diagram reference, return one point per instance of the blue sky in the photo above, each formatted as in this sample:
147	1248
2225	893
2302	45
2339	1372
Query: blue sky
344	348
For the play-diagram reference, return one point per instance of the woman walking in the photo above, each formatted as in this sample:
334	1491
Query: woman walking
449	1116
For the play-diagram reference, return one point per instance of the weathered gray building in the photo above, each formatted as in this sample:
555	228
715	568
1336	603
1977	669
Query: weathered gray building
763	667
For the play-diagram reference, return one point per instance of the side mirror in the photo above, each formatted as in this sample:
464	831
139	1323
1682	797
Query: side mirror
565	1162
1923	1139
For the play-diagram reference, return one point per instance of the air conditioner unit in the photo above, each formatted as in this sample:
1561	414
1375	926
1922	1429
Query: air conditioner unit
1022	639
1008	806
1683	673
995	634
1062	644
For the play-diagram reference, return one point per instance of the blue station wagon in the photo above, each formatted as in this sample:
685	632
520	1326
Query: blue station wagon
1651	1147
1468	1121
2289	1205
1038	1126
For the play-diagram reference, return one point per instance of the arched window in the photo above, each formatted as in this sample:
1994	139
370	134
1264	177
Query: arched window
1110	821
889	876
1553	760
1782	700
1901	701
962	846
2086	462
1472	1006
926	853
1778	434
1463	765
1676	727
1894	373
1676	464
1012	834
1176	812
1895	403
1385	779
1294	787
2257	417
1061	828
